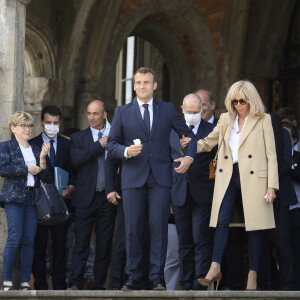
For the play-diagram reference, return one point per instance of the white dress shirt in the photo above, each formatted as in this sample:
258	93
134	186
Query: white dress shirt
234	140
95	133
211	120
150	108
195	129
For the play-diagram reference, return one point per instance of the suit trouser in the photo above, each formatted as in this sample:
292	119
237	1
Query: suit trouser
103	213
118	257
295	238
151	200
195	240
172	266
59	260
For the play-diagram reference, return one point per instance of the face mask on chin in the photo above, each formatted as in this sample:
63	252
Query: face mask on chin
51	130
192	119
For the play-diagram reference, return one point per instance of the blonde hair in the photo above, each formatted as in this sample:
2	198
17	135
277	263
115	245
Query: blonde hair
20	117
246	90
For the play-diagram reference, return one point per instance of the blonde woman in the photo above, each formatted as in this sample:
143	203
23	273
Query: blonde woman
19	165
247	170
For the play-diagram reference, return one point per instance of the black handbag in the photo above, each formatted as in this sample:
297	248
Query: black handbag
50	206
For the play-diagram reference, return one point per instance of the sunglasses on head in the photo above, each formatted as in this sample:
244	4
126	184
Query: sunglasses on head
235	101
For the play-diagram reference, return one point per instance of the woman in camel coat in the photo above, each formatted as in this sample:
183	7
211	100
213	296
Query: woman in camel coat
247	169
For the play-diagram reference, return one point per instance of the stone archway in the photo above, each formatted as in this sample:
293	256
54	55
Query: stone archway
196	64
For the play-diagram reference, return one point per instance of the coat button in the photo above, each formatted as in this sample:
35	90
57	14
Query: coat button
249	155
221	170
150	142
226	157
252	172
150	155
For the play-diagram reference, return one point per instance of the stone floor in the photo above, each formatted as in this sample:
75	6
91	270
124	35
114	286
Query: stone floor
147	295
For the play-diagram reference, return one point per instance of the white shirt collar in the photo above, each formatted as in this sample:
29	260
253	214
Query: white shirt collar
96	131
140	103
47	140
211	120
195	129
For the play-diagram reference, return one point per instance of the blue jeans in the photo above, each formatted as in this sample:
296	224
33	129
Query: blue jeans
221	234
22	224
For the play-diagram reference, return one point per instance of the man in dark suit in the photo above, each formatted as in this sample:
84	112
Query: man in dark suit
147	174
192	199
59	156
89	200
208	106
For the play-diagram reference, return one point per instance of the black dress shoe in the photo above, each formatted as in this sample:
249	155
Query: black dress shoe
198	287
131	285
158	284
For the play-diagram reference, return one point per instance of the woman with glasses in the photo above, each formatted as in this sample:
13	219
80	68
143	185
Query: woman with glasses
19	165
246	170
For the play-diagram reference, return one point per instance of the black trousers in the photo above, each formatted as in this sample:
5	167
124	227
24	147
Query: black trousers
195	240
295	240
103	213
118	259
58	236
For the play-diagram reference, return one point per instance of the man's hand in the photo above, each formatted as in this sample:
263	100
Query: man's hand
134	150
112	198
184	141
185	163
103	141
67	191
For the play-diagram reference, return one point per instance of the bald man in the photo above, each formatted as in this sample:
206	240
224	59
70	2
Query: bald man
191	200
88	157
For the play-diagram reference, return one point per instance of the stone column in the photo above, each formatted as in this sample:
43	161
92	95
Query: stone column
233	44
12	51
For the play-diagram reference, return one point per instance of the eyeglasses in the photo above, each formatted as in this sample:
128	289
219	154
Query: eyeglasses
24	126
241	101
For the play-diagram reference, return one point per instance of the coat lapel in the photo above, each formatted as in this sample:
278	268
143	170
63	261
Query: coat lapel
251	121
200	130
155	116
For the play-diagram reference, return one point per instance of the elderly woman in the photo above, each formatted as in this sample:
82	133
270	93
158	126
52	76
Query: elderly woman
19	165
247	170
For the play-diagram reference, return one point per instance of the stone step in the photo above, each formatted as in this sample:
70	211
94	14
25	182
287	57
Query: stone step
147	295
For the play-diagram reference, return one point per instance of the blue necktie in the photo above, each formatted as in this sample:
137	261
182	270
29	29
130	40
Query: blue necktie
101	169
192	127
52	153
147	117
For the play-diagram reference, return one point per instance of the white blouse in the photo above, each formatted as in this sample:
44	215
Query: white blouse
30	160
234	140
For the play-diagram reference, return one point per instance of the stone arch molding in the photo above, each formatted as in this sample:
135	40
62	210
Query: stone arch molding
187	14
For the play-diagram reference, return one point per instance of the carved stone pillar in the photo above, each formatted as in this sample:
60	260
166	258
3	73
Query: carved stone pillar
12	49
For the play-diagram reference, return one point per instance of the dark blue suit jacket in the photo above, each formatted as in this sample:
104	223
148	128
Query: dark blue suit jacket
62	156
128	125
200	186
14	171
84	157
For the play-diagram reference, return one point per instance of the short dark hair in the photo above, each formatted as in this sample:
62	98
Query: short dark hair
51	110
286	113
293	129
145	70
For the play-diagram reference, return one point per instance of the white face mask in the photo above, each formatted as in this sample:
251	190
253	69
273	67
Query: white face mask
51	130
192	119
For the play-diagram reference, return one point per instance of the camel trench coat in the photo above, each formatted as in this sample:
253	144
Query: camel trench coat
257	166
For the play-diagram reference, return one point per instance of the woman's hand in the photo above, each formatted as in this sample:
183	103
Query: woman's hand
45	150
270	196
34	170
